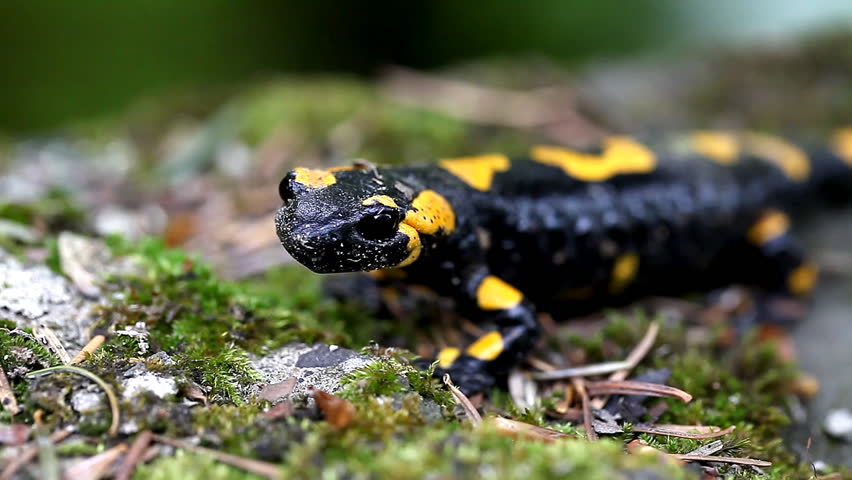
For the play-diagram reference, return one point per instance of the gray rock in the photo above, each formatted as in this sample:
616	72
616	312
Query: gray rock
320	366
162	387
33	295
83	401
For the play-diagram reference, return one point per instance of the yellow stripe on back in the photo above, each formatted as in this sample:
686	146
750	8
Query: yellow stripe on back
621	155
487	347
721	147
495	294
802	279
478	171
770	226
841	143
786	156
447	356
623	272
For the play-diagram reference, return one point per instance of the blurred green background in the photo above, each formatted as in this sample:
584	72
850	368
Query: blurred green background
63	60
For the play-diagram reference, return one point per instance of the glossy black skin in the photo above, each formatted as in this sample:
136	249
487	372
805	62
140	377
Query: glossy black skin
548	234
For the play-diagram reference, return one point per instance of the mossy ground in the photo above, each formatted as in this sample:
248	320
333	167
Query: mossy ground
209	326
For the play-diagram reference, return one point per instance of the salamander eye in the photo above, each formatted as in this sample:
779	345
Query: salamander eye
285	190
378	226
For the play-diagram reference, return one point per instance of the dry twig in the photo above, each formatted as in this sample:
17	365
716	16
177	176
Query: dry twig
88	349
632	387
461	399
660	430
580	387
516	429
633	358
134	455
95	466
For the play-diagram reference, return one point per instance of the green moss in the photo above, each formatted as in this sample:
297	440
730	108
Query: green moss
190	466
451	452
56	211
389	376
351	119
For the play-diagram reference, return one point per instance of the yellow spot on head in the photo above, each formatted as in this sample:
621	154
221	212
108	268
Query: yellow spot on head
487	347
721	147
841	142
431	212
771	225
495	294
447	356
786	156
478	172
621	155
383	199
623	272
802	279
314	178
414	246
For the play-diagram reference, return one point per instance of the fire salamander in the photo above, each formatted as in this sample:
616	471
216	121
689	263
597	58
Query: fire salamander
566	227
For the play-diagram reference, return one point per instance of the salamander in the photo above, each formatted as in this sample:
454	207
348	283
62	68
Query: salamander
563	228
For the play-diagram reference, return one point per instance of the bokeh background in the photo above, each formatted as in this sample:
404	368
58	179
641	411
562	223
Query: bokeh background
67	60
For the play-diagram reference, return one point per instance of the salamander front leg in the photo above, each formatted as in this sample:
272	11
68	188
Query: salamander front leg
480	365
783	271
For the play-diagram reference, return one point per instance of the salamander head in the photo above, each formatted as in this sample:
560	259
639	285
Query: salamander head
345	220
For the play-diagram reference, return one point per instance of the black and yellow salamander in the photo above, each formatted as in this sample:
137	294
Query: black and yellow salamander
565	228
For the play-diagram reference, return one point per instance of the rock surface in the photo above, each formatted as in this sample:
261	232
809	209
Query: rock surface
320	366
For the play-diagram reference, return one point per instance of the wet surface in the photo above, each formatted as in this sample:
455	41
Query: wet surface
824	339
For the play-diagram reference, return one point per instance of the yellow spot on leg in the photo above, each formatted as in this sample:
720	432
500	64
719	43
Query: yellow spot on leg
488	347
802	279
478	172
841	142
770	226
447	356
786	156
314	178
623	272
721	147
383	199
430	212
621	155
495	294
